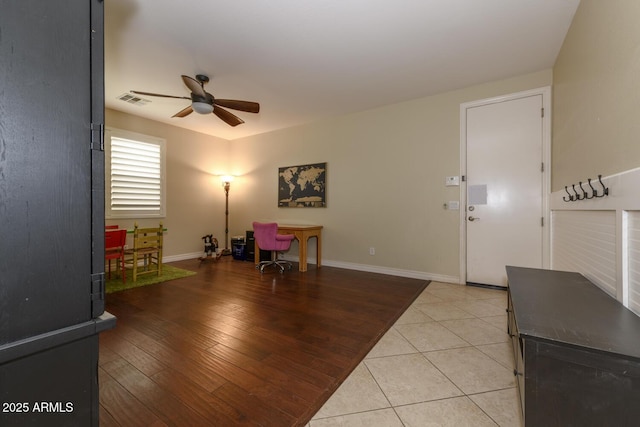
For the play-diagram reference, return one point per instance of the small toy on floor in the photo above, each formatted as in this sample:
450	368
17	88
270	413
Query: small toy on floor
210	248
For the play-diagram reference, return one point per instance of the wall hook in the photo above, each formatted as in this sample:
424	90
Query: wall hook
605	190
584	193
570	199
574	190
594	192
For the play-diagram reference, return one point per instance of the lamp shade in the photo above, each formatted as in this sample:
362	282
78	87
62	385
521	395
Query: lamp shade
202	107
227	178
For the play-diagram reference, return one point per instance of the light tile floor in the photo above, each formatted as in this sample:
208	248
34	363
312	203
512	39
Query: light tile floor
446	362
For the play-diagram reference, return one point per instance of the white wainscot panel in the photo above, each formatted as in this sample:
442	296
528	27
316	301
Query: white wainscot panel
585	241
633	247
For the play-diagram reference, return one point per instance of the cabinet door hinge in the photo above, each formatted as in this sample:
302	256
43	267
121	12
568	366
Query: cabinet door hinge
542	222
97	294
97	136
542	112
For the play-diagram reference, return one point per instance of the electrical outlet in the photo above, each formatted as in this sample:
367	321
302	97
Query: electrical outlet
372	251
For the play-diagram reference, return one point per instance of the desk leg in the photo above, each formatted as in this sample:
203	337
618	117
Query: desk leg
318	250
303	252
256	255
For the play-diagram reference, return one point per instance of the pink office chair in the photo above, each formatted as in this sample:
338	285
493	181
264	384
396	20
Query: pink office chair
268	239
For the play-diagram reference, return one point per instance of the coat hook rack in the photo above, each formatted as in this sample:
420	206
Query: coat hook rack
605	190
581	194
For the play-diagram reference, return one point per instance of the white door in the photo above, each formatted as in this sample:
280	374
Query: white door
504	171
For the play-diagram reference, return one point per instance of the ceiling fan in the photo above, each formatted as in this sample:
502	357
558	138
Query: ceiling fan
203	102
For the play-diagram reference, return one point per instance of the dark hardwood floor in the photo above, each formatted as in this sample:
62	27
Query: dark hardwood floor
230	346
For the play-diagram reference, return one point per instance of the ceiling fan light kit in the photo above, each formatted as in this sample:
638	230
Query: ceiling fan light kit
202	102
202	107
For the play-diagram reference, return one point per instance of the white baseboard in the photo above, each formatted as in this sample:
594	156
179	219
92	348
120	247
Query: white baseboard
423	275
182	257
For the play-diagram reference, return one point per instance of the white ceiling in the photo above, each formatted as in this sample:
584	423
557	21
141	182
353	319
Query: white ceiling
305	60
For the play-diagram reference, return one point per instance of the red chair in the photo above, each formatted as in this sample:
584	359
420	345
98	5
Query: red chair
114	242
268	239
110	227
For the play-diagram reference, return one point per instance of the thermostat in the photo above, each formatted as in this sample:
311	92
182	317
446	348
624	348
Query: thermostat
452	181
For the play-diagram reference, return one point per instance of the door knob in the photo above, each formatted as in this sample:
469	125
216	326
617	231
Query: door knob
471	218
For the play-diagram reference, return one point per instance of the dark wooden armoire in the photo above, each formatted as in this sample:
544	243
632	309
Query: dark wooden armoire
51	211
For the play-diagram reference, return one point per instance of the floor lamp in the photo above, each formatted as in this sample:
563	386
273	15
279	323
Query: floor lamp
226	184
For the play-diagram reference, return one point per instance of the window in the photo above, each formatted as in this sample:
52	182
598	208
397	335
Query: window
135	178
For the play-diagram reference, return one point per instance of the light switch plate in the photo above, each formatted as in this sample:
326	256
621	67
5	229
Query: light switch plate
453	205
452	181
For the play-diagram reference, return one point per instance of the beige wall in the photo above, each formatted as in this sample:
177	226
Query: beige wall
195	198
385	180
596	101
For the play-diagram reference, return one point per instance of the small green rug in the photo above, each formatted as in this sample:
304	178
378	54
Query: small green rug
168	273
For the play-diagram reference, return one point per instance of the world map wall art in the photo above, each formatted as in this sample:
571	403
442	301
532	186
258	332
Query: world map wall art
302	186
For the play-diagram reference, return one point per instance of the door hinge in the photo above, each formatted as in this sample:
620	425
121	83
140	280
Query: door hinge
464	178
542	222
97	294
542	167
542	112
97	136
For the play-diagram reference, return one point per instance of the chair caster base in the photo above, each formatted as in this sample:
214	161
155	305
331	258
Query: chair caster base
281	265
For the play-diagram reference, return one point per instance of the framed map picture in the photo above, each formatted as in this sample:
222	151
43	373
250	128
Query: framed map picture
302	186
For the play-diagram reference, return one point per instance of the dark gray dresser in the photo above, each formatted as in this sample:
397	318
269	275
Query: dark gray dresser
51	212
576	351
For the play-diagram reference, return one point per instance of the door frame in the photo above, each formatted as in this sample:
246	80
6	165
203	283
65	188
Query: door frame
546	174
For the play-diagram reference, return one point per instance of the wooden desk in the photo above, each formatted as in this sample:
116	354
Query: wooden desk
302	233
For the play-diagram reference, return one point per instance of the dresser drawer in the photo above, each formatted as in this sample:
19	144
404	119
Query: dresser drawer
517	346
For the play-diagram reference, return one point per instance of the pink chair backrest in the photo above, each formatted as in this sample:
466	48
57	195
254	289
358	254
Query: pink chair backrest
265	235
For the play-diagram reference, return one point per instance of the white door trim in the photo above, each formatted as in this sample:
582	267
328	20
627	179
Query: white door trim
546	179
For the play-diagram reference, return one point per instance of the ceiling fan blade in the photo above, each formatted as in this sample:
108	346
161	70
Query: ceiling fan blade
184	112
158	94
227	117
194	85
247	106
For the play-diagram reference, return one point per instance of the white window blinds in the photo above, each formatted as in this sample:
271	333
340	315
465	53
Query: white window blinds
135	177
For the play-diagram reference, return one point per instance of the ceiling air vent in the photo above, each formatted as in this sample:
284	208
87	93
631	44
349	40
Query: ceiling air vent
133	99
